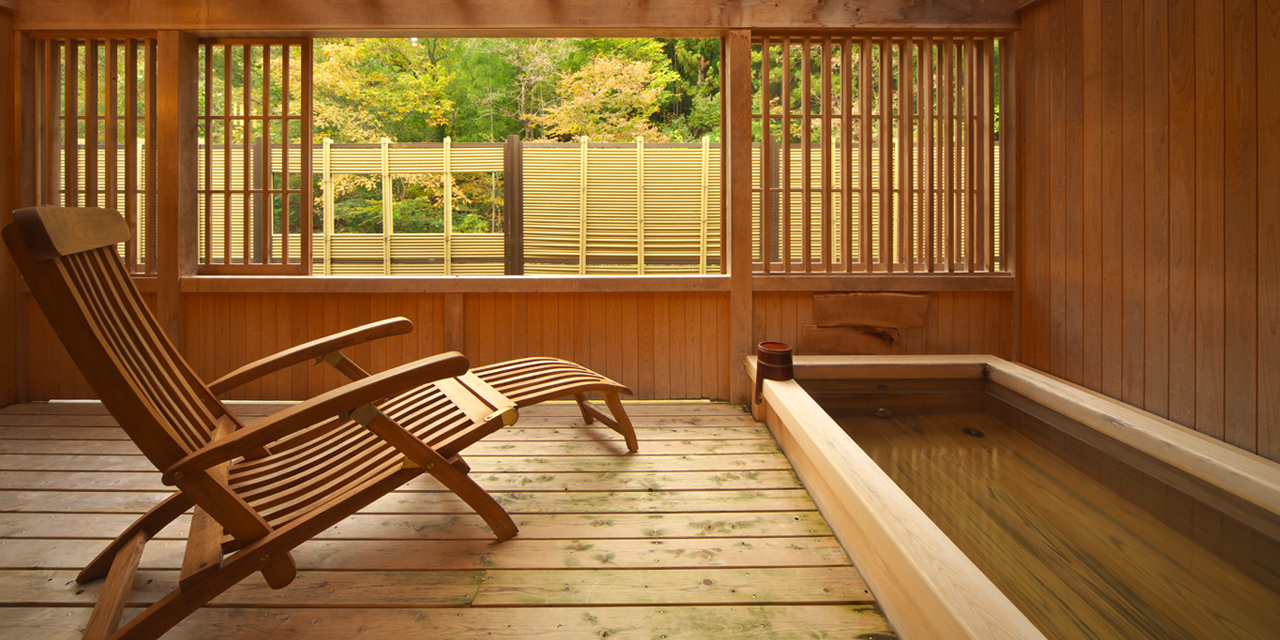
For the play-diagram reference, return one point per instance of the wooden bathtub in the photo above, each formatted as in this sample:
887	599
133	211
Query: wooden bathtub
928	586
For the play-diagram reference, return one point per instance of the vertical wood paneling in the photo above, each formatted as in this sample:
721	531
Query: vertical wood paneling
1155	376
1072	197
1210	318
1057	186
1112	200
956	322
1133	247
1091	252
1182	212
1240	223
1179	207
1269	229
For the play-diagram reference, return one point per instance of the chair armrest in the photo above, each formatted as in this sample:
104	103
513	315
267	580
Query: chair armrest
322	407
310	351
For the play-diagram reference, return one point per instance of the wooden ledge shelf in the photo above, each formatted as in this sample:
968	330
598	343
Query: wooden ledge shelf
885	282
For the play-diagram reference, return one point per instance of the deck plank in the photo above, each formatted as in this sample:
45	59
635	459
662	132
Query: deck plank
616	623
705	532
533	526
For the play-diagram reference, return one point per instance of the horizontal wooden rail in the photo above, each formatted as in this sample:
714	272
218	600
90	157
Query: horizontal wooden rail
884	282
453	284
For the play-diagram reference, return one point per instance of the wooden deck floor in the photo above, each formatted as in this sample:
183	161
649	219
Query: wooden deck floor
705	533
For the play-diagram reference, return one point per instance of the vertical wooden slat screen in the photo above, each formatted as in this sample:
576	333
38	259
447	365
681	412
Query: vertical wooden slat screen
879	154
256	113
95	109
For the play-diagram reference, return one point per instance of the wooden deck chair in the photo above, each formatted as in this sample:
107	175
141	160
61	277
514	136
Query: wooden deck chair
261	490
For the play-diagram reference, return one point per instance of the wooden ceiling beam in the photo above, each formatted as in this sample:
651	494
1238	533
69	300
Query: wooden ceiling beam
507	17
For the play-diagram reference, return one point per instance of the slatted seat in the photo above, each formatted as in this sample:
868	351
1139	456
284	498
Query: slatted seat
261	490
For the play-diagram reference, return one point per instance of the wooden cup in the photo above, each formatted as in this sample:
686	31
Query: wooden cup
773	362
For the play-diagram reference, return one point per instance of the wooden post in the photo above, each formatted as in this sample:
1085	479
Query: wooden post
582	206
455	336
177	174
705	196
513	207
12	168
640	205
256	253
326	181
446	182
386	208
1010	199
738	139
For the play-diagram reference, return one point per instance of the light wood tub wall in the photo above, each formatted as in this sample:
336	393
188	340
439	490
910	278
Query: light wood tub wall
927	587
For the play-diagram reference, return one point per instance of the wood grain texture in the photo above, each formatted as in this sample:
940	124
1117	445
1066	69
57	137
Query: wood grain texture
684	342
922	580
674	550
9	171
948	323
1178	211
737	50
177	174
510	17
905	310
1268	230
1240	222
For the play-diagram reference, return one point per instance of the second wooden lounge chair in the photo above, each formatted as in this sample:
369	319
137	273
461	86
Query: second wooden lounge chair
261	490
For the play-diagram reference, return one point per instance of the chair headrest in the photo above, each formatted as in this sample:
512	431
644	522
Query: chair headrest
50	231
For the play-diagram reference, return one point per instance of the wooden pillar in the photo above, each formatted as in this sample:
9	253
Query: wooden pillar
176	172
455	337
513	206
737	96
10	114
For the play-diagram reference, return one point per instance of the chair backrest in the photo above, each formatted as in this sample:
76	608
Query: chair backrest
68	258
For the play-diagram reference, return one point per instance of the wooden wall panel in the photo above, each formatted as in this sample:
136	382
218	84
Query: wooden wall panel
956	322
1179	207
9	169
661	345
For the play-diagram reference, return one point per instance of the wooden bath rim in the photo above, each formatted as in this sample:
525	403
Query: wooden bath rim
926	585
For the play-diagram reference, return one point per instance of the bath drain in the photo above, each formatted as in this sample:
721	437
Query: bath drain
969	431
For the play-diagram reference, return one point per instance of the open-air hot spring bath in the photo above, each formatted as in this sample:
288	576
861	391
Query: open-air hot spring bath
983	499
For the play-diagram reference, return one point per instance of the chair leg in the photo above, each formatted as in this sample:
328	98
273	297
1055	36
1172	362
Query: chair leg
618	421
183	601
585	407
106	613
464	487
419	455
150	523
623	422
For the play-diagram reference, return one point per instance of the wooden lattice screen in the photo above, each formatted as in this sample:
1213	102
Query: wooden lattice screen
890	158
255	200
95	110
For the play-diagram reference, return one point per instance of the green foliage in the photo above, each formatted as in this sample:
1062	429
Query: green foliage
609	99
367	88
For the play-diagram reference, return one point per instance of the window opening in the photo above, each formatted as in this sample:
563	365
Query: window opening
495	162
255	190
881	154
94	113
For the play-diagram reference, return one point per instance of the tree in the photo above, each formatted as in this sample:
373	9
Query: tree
609	99
694	110
532	66
367	88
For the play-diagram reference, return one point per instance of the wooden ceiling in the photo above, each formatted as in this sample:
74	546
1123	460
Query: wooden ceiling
507	17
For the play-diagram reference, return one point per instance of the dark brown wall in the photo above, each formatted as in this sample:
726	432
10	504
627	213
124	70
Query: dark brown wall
8	200
1150	204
